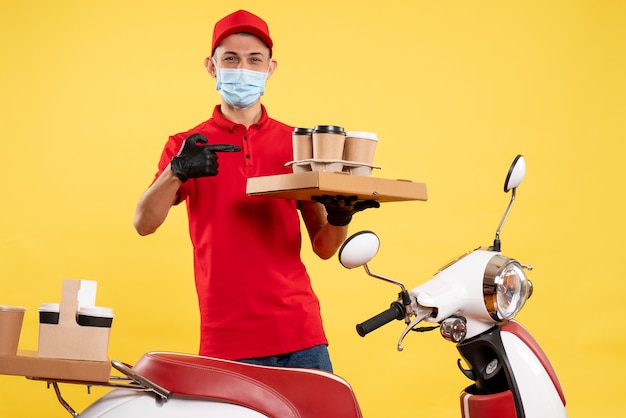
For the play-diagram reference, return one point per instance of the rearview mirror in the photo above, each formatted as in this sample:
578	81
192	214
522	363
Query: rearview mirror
359	249
516	173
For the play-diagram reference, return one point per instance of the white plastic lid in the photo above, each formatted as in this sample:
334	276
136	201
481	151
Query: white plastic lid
98	311
49	307
6	308
364	135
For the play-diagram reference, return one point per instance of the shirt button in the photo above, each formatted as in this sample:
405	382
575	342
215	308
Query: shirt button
245	138
247	155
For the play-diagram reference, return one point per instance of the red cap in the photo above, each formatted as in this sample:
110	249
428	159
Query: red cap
241	21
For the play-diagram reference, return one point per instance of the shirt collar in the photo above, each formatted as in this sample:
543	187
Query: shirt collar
229	125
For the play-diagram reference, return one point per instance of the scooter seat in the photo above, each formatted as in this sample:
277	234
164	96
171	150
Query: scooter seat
272	391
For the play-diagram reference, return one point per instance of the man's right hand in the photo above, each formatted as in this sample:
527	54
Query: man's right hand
196	159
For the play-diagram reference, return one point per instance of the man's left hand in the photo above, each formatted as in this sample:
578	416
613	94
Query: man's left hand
341	208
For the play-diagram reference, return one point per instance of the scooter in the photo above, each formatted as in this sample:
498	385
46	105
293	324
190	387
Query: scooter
473	301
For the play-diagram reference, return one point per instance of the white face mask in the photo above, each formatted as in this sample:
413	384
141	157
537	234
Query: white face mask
239	87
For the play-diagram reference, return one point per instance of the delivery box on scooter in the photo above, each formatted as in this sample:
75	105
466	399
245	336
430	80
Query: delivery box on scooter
73	339
28	363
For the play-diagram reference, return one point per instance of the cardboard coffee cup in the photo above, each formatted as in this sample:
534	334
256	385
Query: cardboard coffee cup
49	313
302	142
328	143
360	147
11	319
95	316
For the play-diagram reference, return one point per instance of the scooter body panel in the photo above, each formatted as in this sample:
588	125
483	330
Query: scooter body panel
515	328
535	379
513	377
496	405
124	403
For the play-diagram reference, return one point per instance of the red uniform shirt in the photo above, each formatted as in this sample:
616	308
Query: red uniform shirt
254	293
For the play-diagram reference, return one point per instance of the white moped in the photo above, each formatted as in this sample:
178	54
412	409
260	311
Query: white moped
474	300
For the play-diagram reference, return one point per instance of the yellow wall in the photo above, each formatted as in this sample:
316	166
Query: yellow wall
91	89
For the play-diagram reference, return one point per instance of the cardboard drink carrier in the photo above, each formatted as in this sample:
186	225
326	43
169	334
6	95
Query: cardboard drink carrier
72	345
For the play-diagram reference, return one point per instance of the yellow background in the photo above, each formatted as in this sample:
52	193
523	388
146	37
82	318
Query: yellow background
90	90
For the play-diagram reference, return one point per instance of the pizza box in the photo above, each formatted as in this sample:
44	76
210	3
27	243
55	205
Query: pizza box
303	185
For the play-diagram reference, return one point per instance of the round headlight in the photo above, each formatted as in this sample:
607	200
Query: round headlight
505	288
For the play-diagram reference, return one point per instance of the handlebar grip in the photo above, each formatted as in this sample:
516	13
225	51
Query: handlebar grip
395	311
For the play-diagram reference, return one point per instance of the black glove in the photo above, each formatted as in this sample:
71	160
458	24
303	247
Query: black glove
197	160
340	209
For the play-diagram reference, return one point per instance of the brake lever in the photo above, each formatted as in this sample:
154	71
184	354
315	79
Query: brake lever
421	314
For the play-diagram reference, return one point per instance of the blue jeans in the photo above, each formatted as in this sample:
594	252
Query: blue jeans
316	357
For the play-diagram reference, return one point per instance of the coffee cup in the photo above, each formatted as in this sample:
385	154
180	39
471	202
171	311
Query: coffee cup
11	319
95	316
49	313
302	143
360	147
328	143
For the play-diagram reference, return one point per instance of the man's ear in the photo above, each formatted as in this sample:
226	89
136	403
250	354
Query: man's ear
210	66
273	65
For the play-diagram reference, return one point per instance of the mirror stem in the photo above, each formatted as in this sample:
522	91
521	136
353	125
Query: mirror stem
496	242
387	279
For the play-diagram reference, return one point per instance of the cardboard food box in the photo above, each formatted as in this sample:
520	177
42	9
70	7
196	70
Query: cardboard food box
303	185
29	364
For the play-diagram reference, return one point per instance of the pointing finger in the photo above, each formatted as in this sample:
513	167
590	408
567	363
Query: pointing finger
223	148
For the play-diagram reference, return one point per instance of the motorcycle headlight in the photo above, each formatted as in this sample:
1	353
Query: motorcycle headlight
505	288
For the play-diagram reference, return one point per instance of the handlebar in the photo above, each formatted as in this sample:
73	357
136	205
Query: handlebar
395	311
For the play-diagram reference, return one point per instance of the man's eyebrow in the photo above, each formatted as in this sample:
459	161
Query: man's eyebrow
256	53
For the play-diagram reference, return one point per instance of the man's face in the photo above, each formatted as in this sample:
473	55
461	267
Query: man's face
242	51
